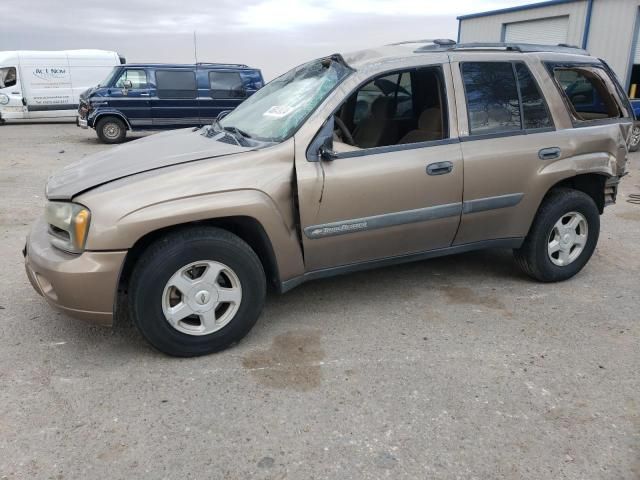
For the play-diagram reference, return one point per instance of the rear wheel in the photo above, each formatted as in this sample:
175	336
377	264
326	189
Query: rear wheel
562	238
635	138
197	291
111	130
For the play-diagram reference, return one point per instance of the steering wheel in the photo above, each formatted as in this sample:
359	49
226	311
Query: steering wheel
345	131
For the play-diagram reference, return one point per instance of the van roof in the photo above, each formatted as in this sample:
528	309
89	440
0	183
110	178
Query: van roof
411	48
239	66
48	54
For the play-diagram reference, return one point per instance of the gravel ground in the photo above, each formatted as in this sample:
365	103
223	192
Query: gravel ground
455	368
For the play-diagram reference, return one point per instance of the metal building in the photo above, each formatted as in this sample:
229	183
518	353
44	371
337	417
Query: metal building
608	29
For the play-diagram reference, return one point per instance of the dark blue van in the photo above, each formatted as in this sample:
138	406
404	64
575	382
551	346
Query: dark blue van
158	96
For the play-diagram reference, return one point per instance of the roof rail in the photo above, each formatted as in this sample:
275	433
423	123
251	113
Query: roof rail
239	65
516	47
436	41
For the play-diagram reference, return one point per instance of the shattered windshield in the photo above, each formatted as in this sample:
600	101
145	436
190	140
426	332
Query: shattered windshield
275	112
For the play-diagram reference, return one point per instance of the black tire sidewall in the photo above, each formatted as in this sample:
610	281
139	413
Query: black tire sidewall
100	130
572	202
150	283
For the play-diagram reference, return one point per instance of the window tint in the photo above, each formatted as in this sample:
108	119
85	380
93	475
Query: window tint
587	93
492	97
176	84
8	77
534	107
226	85
138	79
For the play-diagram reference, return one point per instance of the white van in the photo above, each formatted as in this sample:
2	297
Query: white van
37	84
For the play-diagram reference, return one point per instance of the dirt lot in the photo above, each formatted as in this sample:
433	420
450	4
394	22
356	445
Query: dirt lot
456	368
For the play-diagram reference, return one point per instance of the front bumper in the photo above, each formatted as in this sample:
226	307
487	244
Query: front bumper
81	122
82	286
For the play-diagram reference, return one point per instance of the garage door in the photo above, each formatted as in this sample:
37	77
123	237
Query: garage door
547	31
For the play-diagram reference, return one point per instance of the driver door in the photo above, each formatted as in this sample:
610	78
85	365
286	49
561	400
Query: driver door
368	204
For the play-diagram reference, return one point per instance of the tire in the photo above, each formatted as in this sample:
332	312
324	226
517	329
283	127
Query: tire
534	257
111	130
165	260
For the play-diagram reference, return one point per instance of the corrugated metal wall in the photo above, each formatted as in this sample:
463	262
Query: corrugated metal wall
489	28
611	34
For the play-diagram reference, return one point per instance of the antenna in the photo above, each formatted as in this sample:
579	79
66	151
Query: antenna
195	46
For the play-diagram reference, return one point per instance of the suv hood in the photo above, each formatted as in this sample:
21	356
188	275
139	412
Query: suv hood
149	153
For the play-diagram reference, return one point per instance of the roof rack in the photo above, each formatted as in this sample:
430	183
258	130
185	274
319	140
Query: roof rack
514	47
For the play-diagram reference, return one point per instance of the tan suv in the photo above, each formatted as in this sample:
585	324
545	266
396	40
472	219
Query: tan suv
401	153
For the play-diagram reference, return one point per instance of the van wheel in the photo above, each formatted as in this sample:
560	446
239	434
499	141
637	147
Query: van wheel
196	291
562	238
111	130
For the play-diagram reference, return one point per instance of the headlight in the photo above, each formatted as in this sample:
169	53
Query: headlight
68	225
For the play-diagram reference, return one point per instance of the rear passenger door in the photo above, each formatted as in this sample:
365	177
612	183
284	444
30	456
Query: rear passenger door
176	100
511	141
224	90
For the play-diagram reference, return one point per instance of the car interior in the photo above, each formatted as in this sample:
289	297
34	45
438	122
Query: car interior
394	109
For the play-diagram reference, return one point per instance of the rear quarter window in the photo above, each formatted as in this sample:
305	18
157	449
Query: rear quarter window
589	93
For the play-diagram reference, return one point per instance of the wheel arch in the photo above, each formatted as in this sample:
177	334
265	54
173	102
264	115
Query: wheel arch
247	228
593	184
111	113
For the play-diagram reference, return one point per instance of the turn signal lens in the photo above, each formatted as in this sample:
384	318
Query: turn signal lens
81	227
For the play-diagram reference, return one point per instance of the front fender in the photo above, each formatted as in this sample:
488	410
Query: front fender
98	112
131	227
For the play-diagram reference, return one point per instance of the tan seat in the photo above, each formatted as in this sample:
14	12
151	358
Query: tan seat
429	127
375	129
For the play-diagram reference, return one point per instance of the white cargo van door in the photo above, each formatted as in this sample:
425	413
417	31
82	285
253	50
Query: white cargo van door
47	87
11	106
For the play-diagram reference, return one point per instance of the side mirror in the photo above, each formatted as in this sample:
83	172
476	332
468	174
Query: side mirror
326	152
127	85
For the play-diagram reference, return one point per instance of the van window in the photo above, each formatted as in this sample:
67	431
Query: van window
8	77
138	79
587	93
226	85
534	108
176	84
492	97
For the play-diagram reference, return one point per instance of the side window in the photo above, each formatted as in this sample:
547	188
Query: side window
226	85
587	92
393	109
138	79
534	108
176	84
8	77
492	97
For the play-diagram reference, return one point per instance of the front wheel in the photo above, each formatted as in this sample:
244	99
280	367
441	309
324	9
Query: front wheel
196	291
111	130
562	238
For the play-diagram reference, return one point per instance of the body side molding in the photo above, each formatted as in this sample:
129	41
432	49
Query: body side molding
514	242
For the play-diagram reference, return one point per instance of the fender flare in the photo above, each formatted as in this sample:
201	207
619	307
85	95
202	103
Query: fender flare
112	112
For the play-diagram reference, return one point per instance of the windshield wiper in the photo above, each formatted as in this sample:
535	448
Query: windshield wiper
237	131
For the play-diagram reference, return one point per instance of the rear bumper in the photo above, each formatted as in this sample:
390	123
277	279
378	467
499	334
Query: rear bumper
82	286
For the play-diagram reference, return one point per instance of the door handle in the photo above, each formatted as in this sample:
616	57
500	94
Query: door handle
439	168
144	94
549	153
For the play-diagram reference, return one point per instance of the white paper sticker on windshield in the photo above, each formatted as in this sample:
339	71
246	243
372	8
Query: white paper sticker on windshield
278	111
